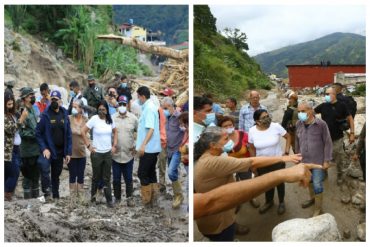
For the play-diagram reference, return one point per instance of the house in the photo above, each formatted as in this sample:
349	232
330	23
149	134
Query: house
312	75
133	31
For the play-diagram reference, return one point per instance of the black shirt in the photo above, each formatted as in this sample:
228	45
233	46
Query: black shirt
331	114
57	128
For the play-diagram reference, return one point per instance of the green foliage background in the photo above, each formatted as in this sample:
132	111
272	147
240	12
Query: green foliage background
170	19
74	28
338	48
220	67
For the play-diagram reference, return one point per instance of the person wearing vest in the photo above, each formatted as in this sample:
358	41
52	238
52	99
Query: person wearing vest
290	118
94	93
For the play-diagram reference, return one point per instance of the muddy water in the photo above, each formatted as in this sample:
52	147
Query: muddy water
34	221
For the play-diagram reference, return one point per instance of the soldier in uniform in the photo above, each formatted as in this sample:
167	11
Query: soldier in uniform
94	93
9	87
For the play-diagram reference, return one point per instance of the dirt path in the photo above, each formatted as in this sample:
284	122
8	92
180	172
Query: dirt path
348	216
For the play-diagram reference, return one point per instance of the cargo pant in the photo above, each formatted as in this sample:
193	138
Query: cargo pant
339	157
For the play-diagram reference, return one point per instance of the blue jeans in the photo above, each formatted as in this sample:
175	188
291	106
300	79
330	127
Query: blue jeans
317	178
173	165
124	169
76	169
11	172
56	166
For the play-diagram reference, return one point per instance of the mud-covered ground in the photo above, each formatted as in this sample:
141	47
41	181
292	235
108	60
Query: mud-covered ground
34	221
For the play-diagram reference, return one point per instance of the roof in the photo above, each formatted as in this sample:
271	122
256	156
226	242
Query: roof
319	65
182	46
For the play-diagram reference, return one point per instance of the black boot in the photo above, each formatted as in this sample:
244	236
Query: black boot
117	191
35	193
129	191
27	194
108	196
94	188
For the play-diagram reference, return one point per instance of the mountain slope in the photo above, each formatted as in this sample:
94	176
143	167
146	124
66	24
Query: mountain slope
338	48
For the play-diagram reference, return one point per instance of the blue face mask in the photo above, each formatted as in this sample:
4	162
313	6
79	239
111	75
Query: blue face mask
72	94
302	116
327	98
210	118
197	131
139	102
228	146
124	85
167	113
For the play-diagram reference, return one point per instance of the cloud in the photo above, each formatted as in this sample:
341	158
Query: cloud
272	27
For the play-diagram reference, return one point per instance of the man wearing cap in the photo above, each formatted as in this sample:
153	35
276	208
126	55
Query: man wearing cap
124	89
123	158
167	92
290	117
54	137
29	149
94	93
9	87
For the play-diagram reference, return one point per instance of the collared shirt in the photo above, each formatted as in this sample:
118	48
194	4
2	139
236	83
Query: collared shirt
174	134
149	119
126	127
313	142
246	120
216	108
197	131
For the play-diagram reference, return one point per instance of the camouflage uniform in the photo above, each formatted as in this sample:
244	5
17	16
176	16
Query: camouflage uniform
93	95
30	152
10	127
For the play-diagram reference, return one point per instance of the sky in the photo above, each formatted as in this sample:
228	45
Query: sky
271	27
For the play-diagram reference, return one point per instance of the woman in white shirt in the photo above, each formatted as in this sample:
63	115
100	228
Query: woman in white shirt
264	139
102	126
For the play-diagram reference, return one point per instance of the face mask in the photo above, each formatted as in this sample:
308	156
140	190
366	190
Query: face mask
327	98
139	102
167	113
230	130
91	85
302	116
101	113
197	131
74	111
54	105
122	109
124	85
33	100
72	94
210	118
266	122
182	128
228	146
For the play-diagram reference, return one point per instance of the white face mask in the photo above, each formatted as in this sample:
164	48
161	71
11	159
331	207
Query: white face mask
122	109
230	130
74	111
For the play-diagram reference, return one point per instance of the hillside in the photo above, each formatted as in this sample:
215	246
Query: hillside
172	20
219	66
338	48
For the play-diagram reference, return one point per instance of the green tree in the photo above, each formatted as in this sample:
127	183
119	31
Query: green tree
237	38
17	14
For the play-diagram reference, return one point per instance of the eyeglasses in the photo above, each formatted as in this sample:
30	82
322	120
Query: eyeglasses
327	93
122	104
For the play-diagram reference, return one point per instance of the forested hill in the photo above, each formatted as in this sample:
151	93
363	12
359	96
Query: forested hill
172	20
221	64
338	48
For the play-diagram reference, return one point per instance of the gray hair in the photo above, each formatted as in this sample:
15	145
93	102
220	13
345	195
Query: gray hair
307	103
80	103
210	135
167	100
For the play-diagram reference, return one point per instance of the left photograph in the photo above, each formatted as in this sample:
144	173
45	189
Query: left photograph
96	123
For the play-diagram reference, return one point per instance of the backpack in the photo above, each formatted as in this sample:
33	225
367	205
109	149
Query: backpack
351	105
292	123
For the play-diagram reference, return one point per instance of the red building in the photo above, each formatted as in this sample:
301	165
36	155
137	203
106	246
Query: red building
311	75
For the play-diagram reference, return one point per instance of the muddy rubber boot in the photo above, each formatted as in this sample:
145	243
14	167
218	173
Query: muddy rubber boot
27	194
108	197
117	192
72	195
177	192
311	201
35	193
81	194
146	194
129	191
8	196
318	204
94	189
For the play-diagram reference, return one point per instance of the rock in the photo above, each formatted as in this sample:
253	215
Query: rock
361	232
59	54
319	228
8	36
24	45
354	184
345	199
355	172
358	199
346	233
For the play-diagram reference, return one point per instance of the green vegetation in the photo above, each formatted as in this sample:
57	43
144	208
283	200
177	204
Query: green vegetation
221	66
74	28
338	48
172	20
360	90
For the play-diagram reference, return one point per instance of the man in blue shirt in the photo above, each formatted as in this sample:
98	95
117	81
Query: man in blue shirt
148	145
246	120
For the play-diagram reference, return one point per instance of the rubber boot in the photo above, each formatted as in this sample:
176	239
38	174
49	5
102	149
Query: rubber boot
155	194
177	192
8	196
27	194
72	195
129	191
35	193
318	204
311	201
117	191
146	194
81	194
94	188
108	197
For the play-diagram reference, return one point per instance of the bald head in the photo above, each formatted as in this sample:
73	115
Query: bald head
254	98
332	93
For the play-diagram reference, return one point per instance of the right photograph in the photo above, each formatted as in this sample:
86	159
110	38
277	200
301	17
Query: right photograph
279	105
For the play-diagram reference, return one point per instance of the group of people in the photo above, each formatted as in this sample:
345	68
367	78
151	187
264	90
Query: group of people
41	137
234	144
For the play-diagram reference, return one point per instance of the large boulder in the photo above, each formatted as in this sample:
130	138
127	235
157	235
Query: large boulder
320	228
